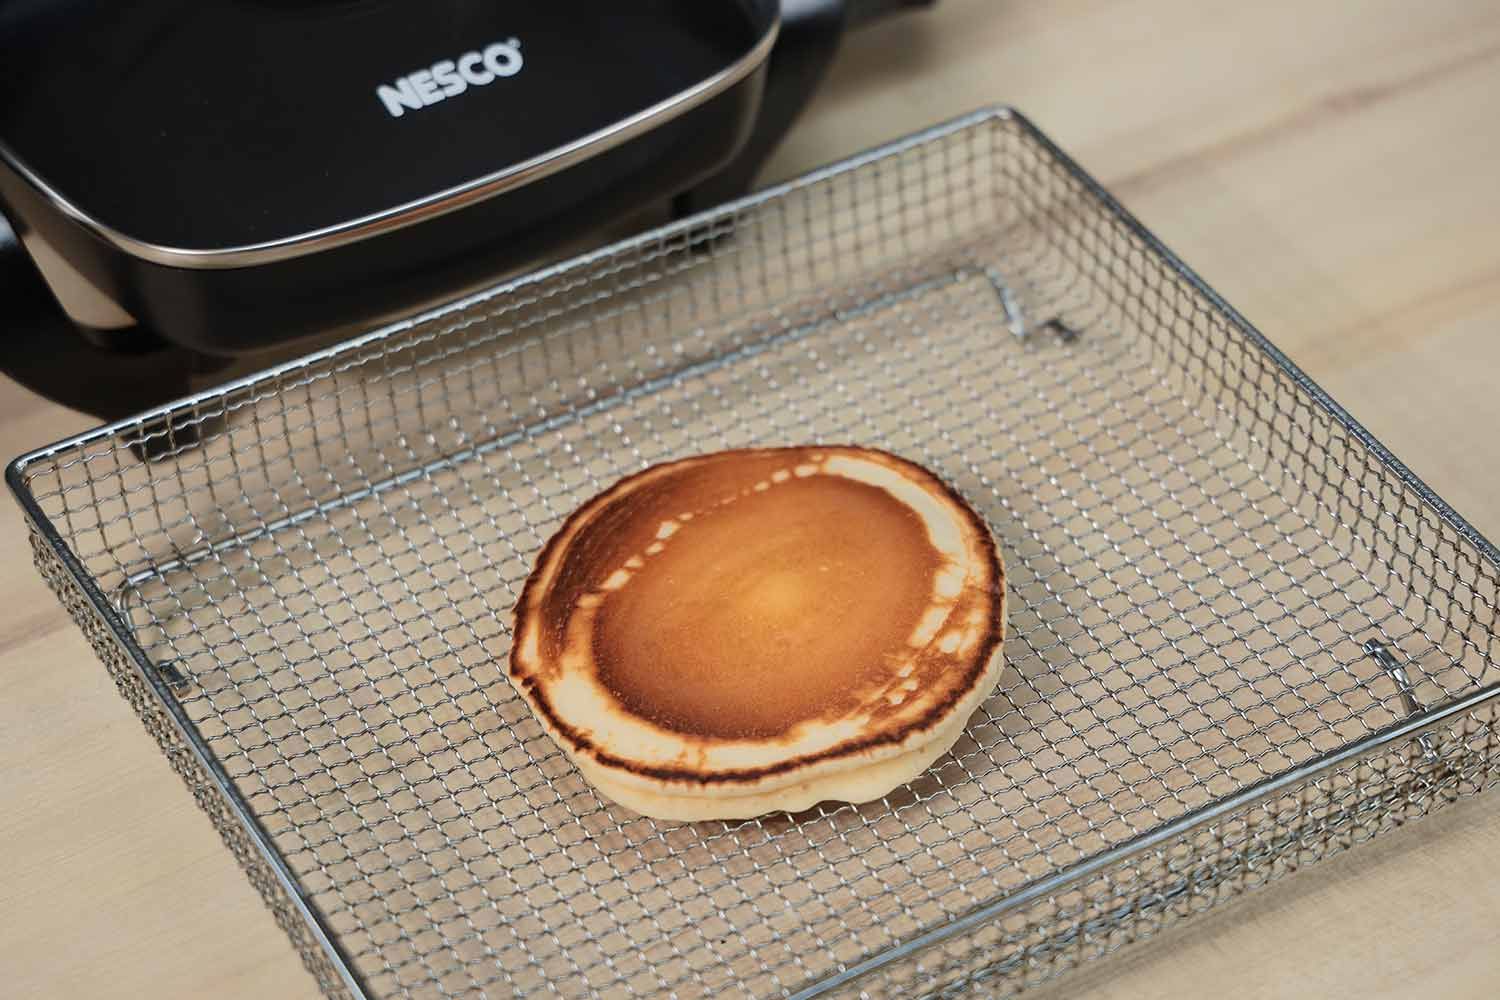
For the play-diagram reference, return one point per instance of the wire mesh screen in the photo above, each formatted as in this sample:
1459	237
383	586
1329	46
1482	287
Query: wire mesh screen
1215	580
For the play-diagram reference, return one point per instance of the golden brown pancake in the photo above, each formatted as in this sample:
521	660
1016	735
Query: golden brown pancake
756	630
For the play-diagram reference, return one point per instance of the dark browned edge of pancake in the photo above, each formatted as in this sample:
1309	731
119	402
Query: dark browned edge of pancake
994	634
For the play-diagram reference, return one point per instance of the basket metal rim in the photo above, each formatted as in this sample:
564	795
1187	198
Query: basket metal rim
124	639
1413	726
1205	815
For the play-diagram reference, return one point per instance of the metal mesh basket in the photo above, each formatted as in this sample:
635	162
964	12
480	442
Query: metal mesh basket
1242	635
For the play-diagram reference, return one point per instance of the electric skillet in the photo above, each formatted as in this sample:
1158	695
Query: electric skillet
195	182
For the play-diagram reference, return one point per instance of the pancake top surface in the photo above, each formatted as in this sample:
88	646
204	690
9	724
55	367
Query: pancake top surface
740	612
800	589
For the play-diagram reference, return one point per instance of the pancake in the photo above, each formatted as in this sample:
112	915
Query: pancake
761	630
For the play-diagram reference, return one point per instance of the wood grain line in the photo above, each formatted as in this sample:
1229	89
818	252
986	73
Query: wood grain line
1318	114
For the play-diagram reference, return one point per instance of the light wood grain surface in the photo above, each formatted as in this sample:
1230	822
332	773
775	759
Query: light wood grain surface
1330	167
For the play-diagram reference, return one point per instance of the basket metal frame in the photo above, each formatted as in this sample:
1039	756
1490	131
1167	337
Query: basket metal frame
149	686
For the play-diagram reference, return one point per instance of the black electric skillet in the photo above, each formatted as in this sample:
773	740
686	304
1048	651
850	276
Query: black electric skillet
195	182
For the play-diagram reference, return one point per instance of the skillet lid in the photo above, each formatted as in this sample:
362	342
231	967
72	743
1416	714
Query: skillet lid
181	127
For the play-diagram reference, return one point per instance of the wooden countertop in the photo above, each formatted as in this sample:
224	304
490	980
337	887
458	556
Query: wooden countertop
1330	167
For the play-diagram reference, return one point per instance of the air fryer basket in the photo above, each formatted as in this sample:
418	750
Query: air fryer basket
1242	637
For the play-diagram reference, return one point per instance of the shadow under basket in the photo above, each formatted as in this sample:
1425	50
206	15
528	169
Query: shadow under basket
1242	636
